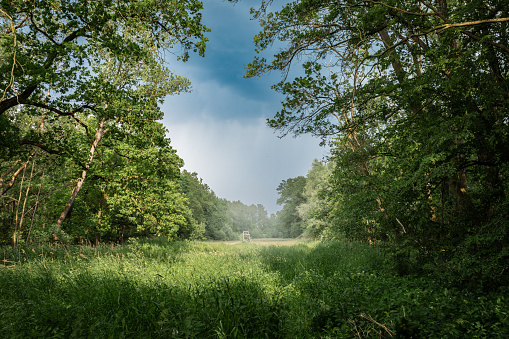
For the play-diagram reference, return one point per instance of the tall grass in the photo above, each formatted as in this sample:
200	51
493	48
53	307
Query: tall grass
157	289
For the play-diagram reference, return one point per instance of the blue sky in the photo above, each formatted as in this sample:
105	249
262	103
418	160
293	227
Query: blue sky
219	128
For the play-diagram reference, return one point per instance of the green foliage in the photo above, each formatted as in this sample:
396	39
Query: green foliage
291	197
207	209
222	219
132	189
413	99
159	289
313	211
305	211
81	87
252	218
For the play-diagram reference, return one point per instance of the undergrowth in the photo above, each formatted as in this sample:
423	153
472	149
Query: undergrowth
160	289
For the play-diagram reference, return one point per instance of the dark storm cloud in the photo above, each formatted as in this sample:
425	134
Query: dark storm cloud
219	128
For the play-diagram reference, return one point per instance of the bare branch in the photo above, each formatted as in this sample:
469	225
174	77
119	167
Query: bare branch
42	31
11	81
13	179
441	28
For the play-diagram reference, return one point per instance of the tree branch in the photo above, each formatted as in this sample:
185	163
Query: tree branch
13	179
39	145
441	28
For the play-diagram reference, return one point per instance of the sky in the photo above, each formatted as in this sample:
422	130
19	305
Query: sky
219	128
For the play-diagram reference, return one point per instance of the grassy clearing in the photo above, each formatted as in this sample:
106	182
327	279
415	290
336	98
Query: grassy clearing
262	241
156	289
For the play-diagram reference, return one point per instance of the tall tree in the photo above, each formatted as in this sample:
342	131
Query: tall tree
208	210
291	197
314	209
51	44
252	218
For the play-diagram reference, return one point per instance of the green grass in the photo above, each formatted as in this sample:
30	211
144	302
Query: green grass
157	289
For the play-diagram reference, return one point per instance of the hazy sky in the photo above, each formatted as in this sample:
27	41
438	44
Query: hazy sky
219	128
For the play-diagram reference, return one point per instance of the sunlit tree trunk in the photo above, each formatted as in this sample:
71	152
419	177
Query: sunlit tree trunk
9	185
36	205
98	136
19	227
15	236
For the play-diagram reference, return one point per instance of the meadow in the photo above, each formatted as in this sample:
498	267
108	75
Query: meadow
265	289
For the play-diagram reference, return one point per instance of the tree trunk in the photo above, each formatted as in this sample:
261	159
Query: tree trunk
15	236
458	186
29	235
14	176
396	63
98	135
22	218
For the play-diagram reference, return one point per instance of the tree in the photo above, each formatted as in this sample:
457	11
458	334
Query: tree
132	190
414	95
53	44
291	197
314	209
252	218
208	210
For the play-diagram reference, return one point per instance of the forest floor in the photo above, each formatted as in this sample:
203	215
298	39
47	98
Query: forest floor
257	289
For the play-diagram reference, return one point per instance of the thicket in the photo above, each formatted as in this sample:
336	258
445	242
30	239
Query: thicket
161	289
413	98
83	156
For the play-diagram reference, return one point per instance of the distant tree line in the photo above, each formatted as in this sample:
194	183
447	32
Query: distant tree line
221	219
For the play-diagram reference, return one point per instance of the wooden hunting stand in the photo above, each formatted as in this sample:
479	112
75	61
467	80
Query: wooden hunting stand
246	235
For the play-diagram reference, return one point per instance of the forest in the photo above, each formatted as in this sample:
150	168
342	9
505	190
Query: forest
84	156
412	97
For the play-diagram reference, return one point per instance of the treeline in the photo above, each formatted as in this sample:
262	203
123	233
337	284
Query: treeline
222	219
413	98
112	207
